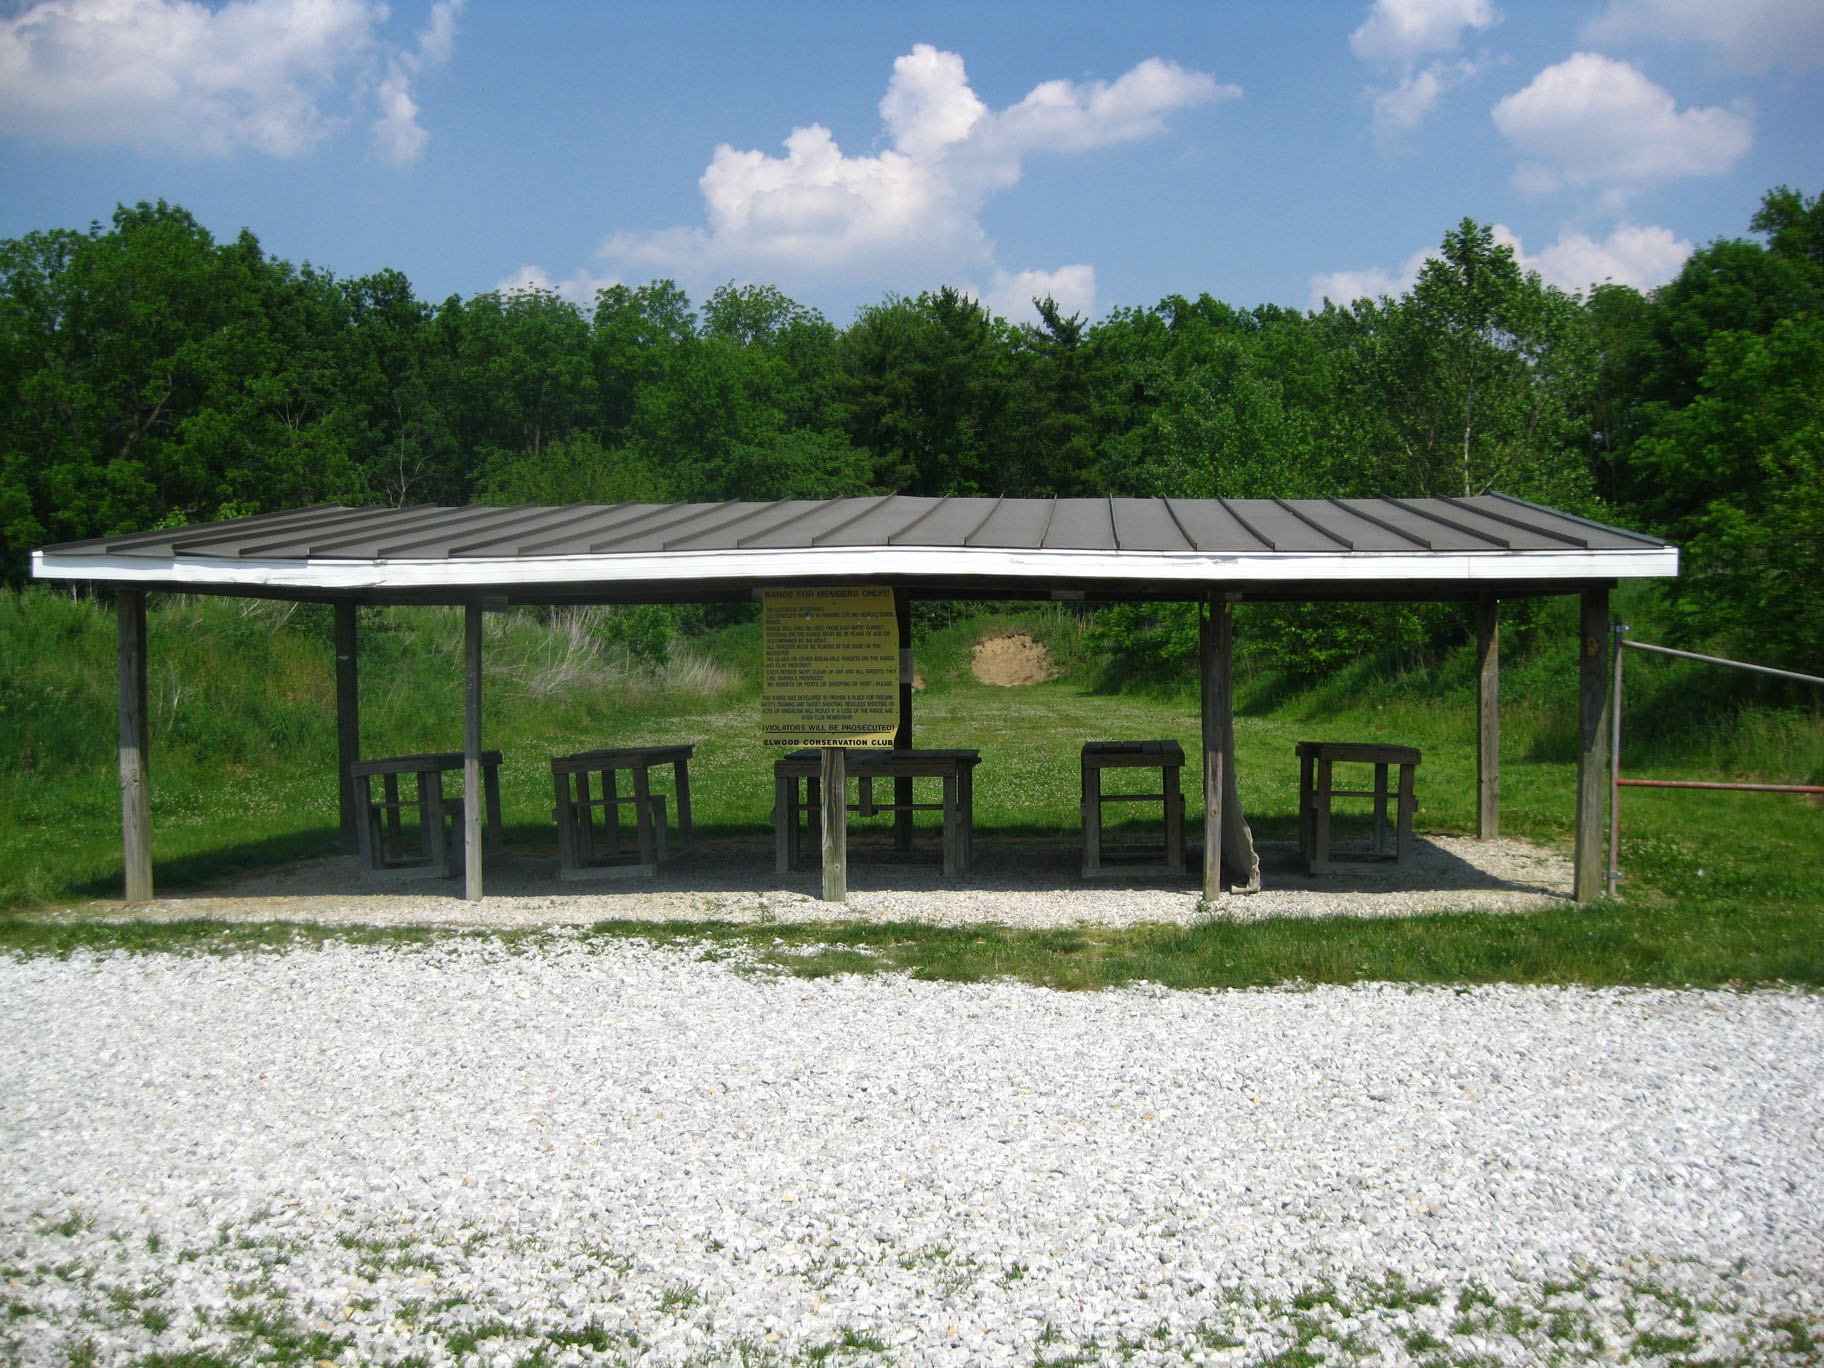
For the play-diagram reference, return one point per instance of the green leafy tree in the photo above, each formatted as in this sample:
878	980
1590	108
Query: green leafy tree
1475	376
405	391
1794	225
1741	470
152	374
275	424
575	470
1617	320
923	386
526	374
1048	427
1728	286
722	431
637	335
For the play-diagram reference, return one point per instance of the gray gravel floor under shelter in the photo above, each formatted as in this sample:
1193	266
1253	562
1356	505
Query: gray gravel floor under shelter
596	1150
1013	883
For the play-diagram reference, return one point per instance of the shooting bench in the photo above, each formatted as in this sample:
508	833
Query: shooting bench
585	850
380	832
798	796
1165	756
1316	787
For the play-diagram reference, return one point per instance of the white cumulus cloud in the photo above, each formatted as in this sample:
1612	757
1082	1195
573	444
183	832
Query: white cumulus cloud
270	76
1071	288
1747	35
580	288
1642	257
911	211
1403	31
1593	120
1403	107
1345	287
1630	255
929	107
1398	36
398	136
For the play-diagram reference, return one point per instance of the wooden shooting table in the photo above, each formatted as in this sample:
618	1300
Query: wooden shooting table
798	796
1316	787
1165	756
380	832
585	850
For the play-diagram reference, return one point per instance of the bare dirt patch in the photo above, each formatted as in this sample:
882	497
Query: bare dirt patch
1011	659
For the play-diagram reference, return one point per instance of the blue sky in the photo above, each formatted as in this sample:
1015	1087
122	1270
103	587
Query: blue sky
1109	155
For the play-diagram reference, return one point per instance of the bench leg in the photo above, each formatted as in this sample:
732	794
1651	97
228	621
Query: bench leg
585	822
642	817
1408	802
1092	819
1307	809
611	814
497	834
565	815
395	838
682	795
965	789
1174	821
1320	839
367	829
785	823
954	855
431	830
655	806
1380	809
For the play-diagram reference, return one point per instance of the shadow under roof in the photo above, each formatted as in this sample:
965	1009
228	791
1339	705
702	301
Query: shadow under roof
932	547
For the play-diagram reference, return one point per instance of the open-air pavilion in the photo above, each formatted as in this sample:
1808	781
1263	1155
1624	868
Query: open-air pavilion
1214	552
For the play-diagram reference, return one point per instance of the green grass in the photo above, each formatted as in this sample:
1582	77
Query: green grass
1719	888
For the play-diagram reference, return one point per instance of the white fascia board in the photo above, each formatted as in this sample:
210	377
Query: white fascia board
762	566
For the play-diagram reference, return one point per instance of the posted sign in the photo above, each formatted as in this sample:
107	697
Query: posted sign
832	667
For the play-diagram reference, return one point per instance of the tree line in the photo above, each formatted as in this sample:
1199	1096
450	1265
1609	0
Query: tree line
154	376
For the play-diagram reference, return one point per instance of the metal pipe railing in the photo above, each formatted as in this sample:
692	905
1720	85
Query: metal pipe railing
1617	783
1719	660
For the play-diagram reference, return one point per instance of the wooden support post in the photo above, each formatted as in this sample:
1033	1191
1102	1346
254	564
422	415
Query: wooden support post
1215	640
1592	742
1488	718
472	797
348	724
902	737
835	826
135	779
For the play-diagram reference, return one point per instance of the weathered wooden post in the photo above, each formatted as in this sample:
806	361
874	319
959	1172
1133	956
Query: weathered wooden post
1488	718
1592	742
1215	640
471	753
348	722
135	779
835	781
902	737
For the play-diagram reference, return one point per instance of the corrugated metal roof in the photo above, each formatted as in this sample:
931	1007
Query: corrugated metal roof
1288	543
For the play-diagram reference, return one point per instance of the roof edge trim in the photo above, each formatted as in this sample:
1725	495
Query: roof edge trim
865	563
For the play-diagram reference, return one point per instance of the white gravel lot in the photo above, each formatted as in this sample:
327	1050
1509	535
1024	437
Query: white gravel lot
594	1150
